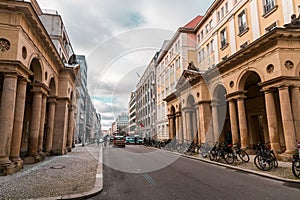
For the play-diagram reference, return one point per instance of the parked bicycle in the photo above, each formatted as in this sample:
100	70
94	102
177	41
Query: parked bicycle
204	149
221	151
193	148
240	153
296	162
265	158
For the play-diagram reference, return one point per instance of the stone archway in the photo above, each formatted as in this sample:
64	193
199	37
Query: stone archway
255	109
220	115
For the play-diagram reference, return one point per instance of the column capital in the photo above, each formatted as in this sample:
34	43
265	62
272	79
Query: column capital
10	75
283	87
178	114
39	88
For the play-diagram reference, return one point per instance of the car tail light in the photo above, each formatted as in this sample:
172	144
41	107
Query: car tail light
298	145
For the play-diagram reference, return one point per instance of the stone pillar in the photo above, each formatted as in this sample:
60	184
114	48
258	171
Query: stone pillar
18	123
215	122
184	125
188	126
60	126
178	127
272	121
171	127
42	124
243	123
35	124
198	121
287	119
205	116
194	127
233	121
7	111
70	129
295	101
50	124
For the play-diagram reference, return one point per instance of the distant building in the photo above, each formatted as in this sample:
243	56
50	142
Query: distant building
132	114
122	122
146	102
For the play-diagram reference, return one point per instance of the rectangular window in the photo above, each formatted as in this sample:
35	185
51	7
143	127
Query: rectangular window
218	16
226	7
207	49
212	46
242	20
269	5
206	29
223	38
202	34
222	12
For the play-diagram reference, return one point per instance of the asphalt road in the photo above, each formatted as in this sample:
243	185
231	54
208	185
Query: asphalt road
140	173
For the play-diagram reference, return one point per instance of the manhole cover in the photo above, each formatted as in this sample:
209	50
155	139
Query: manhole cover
57	167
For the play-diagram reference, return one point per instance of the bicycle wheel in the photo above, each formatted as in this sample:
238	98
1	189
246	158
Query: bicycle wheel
296	167
212	155
244	156
228	157
262	163
275	161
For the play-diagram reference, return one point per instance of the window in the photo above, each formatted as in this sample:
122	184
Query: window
212	46
268	5
218	16
242	20
207	49
226	7
206	28
223	38
202	34
222	12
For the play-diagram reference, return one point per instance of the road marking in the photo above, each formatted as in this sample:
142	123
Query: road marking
149	179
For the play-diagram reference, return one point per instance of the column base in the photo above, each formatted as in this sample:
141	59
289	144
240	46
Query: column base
18	161
276	147
69	149
8	169
285	157
33	159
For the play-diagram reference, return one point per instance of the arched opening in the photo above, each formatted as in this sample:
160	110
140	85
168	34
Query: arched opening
220	115
255	109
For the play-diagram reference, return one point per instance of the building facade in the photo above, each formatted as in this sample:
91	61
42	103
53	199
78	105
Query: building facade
146	102
36	89
172	60
245	82
122	122
132	114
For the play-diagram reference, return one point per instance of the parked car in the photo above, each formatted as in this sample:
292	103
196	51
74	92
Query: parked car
129	140
119	140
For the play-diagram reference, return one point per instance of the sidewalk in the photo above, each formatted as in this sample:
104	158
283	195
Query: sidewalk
71	176
282	173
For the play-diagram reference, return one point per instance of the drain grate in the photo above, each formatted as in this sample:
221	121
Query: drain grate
58	167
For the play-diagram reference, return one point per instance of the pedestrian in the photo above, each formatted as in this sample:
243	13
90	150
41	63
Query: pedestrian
98	141
104	141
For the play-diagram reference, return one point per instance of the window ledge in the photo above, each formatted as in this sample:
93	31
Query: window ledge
224	46
270	11
243	32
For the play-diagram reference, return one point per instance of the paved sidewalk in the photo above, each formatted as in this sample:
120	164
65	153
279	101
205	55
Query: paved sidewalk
71	176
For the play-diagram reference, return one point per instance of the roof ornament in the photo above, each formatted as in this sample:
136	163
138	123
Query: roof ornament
192	66
295	22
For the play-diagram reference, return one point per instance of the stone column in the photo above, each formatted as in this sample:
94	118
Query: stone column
42	124
7	111
18	123
35	124
70	129
287	119
50	124
171	131
272	120
233	121
184	126
178	127
295	101
188	126
194	127
205	116
215	122
198	121
243	123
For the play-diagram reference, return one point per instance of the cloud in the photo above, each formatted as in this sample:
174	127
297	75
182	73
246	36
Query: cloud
119	38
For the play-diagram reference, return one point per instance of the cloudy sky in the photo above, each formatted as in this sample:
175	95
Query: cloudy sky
119	38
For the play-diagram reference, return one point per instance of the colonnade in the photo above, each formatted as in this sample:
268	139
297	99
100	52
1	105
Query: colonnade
12	110
207	122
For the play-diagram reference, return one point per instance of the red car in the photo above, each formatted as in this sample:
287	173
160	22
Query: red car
119	140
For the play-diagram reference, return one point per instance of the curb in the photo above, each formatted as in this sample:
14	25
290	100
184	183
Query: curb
96	190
